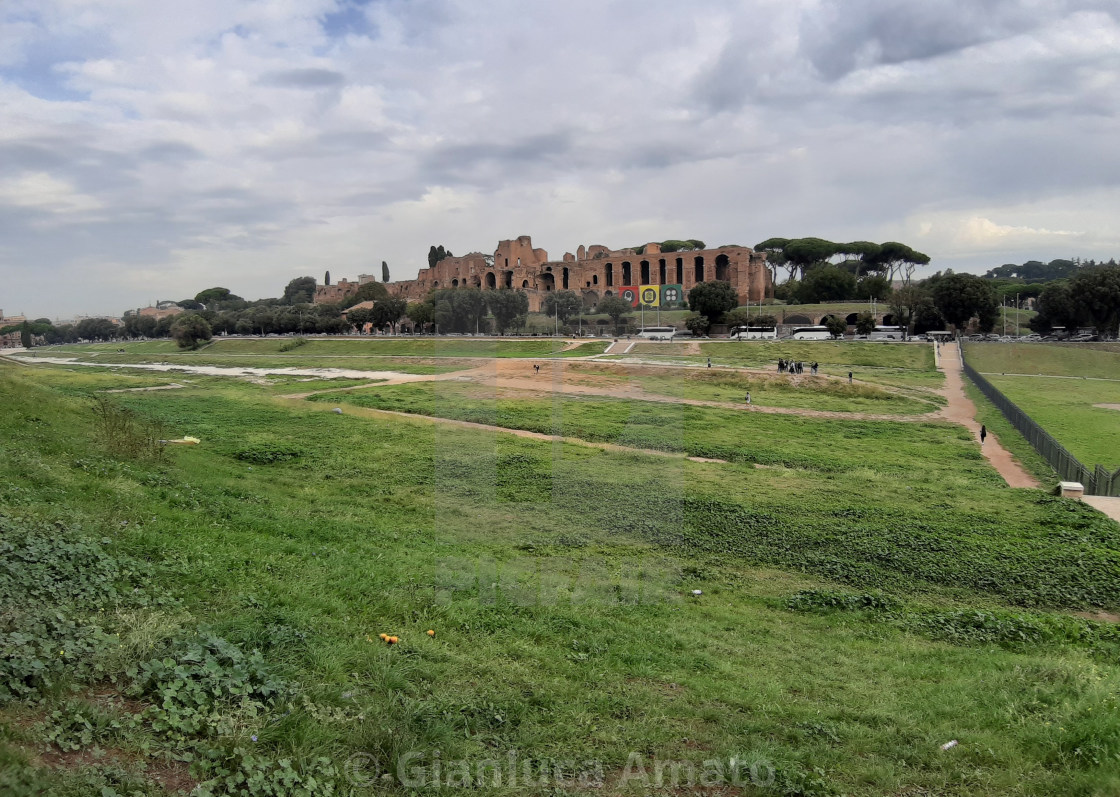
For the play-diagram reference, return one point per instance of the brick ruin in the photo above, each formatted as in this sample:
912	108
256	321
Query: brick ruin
595	272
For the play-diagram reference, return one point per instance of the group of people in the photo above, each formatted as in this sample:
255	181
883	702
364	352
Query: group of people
794	367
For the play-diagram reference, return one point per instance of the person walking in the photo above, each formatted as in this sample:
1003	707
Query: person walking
536	369
849	377
709	362
983	433
748	398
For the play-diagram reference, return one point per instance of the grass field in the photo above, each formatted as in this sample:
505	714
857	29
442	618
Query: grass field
771	389
792	441
883	363
1059	386
858	611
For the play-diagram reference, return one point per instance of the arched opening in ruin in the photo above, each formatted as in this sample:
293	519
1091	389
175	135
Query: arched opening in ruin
626	276
594	279
607	293
798	318
661	272
491	280
507	279
610	274
645	272
455	283
680	271
824	320
698	270
723	268
564	278
888	320
851	319
435	283
524	283
548	281
476	281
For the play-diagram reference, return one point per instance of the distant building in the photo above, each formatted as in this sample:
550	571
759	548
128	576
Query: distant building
157	311
10	340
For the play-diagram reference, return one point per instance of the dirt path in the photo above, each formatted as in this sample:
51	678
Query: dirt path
960	409
576	441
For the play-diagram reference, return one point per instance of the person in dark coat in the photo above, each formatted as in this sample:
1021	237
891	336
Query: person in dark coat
983	434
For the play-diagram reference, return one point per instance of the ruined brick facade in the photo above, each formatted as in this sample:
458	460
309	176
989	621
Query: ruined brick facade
595	271
333	294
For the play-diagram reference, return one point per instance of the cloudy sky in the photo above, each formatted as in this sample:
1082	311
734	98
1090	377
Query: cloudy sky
151	149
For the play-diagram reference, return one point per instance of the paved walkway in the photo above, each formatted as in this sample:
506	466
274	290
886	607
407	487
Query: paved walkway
960	409
1110	506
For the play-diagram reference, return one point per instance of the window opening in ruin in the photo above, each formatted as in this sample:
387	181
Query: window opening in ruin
508	279
626	272
645	272
524	283
661	269
699	270
565	278
723	268
610	273
491	281
594	279
680	271
455	283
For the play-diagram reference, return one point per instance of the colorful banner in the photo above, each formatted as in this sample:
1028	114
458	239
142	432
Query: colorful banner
649	295
630	294
673	296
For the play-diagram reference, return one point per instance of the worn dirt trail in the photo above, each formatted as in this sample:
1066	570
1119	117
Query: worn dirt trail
507	375
500	375
486	427
960	409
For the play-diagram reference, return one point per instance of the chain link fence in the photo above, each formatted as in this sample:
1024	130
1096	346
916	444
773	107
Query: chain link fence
1099	481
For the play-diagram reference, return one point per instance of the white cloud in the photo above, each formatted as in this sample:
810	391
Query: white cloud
40	191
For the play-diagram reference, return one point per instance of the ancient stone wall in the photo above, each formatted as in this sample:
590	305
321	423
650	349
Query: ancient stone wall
595	271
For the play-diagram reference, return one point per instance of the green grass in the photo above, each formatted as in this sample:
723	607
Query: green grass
1066	410
1046	359
1048	382
558	581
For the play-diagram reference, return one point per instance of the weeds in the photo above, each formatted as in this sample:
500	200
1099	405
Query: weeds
123	433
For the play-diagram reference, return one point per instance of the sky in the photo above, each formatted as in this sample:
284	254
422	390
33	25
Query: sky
152	149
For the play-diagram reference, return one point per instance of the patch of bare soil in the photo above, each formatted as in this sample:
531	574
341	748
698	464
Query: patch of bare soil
1100	616
172	776
1108	406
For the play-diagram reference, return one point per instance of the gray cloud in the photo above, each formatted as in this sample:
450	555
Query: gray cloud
304	79
405	123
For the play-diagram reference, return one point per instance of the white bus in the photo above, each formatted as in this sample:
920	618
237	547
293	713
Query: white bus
811	333
754	333
886	333
657	333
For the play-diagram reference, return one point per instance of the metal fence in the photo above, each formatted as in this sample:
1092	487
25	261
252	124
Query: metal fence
1099	481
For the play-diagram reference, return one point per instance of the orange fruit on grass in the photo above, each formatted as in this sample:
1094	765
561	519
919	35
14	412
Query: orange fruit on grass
431	632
